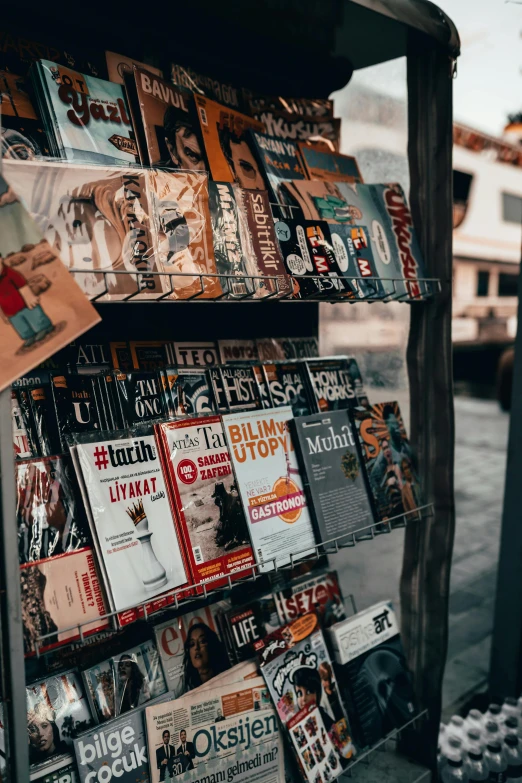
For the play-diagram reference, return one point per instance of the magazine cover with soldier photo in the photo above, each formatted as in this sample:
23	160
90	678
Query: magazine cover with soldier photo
172	136
389	461
57	711
204	493
297	669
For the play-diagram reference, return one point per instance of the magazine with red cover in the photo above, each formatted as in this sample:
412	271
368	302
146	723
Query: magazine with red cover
203	491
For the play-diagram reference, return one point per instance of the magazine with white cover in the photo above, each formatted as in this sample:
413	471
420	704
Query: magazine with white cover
270	485
191	648
231	732
131	520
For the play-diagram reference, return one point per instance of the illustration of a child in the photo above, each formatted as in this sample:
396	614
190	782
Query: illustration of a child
21	307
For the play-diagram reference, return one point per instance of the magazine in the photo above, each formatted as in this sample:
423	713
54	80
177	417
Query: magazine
319	593
296	666
195	354
234	387
334	476
140	396
336	383
87	117
131	521
249	623
59	594
192	649
373	673
288	384
229	731
189	391
291	127
125	681
204	494
22	134
24	443
237	351
279	161
118	65
270	485
222	92
330	166
57	711
62	769
231	258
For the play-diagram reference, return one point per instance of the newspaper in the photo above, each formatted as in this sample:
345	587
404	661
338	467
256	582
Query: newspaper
225	733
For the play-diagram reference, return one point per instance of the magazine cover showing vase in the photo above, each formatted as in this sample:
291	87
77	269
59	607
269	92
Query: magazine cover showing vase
95	218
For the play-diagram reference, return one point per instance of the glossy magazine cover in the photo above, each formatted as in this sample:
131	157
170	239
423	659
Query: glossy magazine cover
319	593
270	485
22	133
88	117
206	499
96	218
131	521
228	245
279	161
319	164
287	126
288	384
383	209
336	383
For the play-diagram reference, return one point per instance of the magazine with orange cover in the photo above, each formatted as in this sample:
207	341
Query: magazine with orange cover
229	155
183	232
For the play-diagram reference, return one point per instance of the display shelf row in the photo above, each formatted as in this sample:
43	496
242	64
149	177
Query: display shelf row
257	288
175	600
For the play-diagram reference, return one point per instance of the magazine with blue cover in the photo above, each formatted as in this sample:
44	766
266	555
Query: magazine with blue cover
87	117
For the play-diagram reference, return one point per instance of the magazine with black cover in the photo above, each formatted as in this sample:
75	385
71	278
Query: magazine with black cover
195	354
140	396
43	416
373	673
285	126
336	383
150	354
85	356
334	477
222	92
28	423
75	406
228	245
171	133
237	350
389	461
57	711
189	391
354	253
249	623
310	107
62	769
87	117
298	671
309	256
235	388
125	681
279	160
49	515
299	347
288	384
315	592
23	441
22	133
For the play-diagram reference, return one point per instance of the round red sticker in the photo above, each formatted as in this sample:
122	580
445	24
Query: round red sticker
187	471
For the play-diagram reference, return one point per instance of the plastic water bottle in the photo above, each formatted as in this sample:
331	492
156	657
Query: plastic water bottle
493	712
511	726
475	720
497	765
490	732
513	757
510	708
456	727
476	767
473	740
454	770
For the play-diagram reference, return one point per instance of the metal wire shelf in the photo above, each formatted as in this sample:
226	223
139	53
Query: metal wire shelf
249	573
258	288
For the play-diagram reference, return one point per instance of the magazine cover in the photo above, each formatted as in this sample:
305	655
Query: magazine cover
74	405
381	208
224	135
288	384
278	160
183	232
24	443
319	593
87	356
118	65
234	387
309	256
140	396
297	669
126	681
43	418
310	107
354	254
373	672
22	133
389	460
230	731
230	255
291	127
270	485
221	92
150	355
57	711
96	218
326	446
190	391
49	517
330	166
270	349
172	132
57	593
88	117
131	522
249	623
23	397
195	354
299	347
336	383
205	496
264	253
237	351
42	309
192	649
58	770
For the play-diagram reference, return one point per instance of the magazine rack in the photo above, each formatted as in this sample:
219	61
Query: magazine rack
231	38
